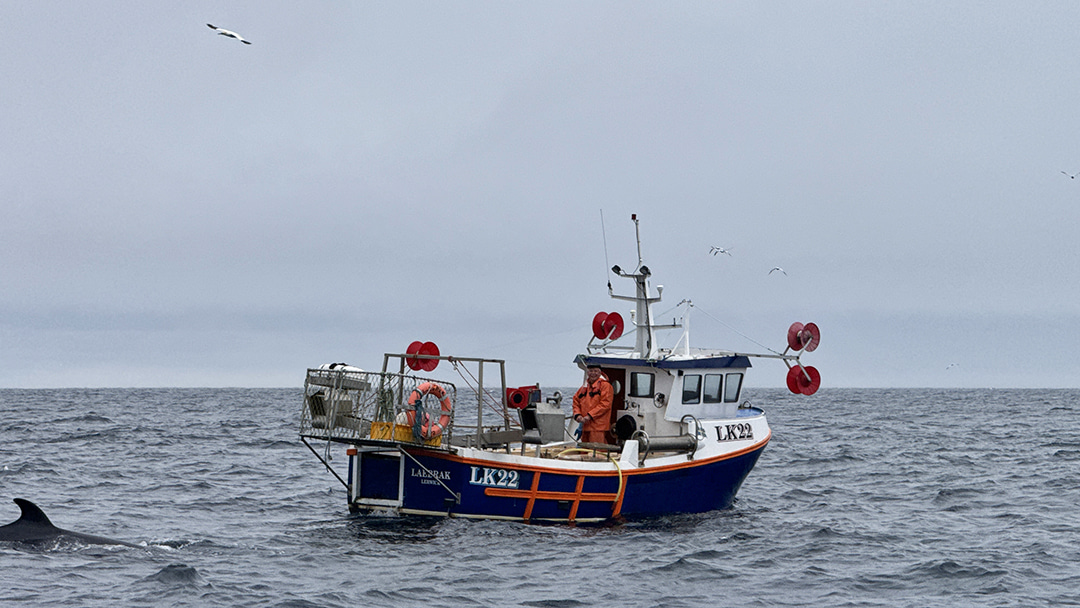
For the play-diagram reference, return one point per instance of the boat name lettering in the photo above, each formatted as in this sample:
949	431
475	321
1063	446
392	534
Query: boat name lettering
734	432
426	474
496	478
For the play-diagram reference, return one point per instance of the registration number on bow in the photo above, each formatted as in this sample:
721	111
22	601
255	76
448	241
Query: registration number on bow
734	432
495	478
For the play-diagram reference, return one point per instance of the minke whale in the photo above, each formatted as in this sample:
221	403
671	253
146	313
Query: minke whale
33	526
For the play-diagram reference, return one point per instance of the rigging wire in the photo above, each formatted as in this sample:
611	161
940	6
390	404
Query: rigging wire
473	382
706	313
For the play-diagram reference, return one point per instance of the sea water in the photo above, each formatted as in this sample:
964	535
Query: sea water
863	498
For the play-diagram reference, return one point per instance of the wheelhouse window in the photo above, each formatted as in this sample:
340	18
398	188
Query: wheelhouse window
641	384
691	388
713	384
734	383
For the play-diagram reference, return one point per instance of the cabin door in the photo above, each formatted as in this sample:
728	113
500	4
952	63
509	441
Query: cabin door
617	378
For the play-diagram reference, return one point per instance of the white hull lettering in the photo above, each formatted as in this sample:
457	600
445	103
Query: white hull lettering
495	478
441	475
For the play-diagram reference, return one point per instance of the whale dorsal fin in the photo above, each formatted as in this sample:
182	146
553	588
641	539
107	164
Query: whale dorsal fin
31	513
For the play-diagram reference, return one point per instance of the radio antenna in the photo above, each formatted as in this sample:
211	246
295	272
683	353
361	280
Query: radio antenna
607	265
637	234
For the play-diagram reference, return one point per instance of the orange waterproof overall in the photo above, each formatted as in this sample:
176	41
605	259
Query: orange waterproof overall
593	402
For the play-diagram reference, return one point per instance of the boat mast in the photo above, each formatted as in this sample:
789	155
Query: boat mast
646	342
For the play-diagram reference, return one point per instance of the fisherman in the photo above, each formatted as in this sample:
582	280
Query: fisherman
592	406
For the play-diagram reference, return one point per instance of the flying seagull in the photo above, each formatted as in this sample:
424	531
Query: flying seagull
716	250
1071	175
775	268
227	33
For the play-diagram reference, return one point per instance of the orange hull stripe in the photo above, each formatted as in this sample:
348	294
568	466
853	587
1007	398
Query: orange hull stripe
531	494
626	472
617	508
577	497
548	495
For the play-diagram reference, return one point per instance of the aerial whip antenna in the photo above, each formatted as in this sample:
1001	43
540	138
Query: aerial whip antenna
607	265
637	233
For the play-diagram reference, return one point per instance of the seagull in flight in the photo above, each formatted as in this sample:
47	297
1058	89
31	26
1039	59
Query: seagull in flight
951	365
1071	175
716	250
227	33
775	268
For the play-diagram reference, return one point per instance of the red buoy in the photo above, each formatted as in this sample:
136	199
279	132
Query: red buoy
429	348
613	326
815	380
598	325
794	336
811	337
607	326
803	380
422	348
414	349
793	376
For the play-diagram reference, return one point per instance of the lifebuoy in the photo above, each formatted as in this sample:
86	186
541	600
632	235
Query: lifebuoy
429	429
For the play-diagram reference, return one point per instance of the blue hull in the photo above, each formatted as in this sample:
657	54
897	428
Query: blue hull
430	479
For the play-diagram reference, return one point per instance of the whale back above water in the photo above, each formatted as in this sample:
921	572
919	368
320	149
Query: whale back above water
34	526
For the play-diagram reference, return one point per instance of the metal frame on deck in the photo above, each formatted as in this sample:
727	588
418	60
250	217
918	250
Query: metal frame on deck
402	357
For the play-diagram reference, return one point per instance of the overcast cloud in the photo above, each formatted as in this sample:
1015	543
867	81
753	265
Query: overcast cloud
180	209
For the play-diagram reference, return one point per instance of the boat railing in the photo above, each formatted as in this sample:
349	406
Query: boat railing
355	406
349	405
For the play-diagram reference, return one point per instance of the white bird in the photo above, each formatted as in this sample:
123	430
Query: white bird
716	250
951	365
227	33
1071	175
775	268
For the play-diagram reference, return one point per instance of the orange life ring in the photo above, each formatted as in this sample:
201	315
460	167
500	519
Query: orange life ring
430	429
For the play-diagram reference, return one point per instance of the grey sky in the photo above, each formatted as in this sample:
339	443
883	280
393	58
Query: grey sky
180	209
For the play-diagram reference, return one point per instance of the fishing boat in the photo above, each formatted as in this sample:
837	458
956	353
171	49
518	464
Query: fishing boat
681	437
